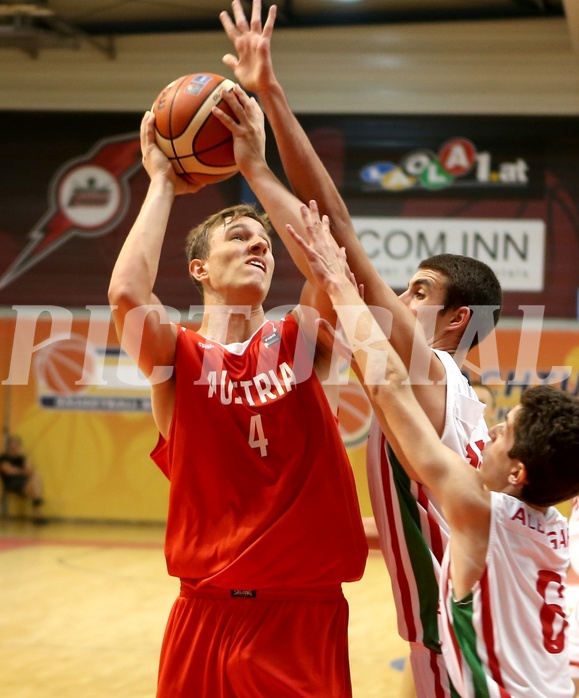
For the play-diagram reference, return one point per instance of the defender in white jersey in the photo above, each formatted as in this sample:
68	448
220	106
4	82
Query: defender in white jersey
412	530
448	285
573	595
486	647
503	587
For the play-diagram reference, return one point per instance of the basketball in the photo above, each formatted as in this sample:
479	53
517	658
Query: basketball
198	145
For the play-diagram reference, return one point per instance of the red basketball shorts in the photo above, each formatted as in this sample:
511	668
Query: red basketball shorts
263	646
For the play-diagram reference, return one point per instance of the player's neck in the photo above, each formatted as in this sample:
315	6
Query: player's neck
227	324
444	341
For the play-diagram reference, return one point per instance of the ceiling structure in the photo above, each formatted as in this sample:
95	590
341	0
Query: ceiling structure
37	25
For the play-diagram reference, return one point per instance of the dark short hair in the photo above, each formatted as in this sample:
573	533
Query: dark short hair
198	241
469	282
546	432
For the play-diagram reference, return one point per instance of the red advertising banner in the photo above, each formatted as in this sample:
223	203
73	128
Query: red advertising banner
502	189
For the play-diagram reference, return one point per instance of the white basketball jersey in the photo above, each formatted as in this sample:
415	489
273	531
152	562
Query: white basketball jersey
574	535
573	589
413	533
507	638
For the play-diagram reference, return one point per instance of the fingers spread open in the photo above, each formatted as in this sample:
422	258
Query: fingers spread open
269	22
227	24
256	16
239	15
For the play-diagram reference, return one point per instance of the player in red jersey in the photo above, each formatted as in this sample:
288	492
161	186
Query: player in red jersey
264	523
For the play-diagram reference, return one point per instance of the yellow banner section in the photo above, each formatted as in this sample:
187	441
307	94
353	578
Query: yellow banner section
84	412
67	392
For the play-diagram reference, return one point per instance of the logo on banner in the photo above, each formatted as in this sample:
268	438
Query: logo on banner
76	375
88	197
456	164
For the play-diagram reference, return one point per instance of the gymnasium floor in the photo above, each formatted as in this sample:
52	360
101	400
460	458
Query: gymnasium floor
84	608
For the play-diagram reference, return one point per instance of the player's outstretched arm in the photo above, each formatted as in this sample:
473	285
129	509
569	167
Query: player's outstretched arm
146	334
253	68
310	179
280	204
385	379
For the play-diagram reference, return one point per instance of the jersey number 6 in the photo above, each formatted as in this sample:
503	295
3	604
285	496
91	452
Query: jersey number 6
552	614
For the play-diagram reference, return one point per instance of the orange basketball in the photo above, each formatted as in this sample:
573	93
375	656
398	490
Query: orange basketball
198	145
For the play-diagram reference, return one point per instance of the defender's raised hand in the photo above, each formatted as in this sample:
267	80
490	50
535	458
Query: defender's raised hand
252	67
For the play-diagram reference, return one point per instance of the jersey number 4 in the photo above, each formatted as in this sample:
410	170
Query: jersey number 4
256	435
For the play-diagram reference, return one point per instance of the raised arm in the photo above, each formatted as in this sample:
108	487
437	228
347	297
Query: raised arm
282	207
142	325
310	179
280	204
307	175
465	502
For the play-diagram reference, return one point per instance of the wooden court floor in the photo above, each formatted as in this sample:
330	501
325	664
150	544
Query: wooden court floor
83	609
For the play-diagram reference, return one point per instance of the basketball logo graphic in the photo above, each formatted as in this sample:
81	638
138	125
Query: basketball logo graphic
88	198
354	412
65	366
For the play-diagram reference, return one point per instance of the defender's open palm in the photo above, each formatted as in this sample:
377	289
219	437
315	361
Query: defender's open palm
252	67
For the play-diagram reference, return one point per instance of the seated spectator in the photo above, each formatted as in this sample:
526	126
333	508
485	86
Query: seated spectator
21	478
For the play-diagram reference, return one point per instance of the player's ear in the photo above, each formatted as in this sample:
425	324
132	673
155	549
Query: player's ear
197	269
457	322
517	473
460	318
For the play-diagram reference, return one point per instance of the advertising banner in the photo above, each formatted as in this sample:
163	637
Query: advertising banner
501	189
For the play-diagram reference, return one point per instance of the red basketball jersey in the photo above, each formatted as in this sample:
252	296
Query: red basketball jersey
262	493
